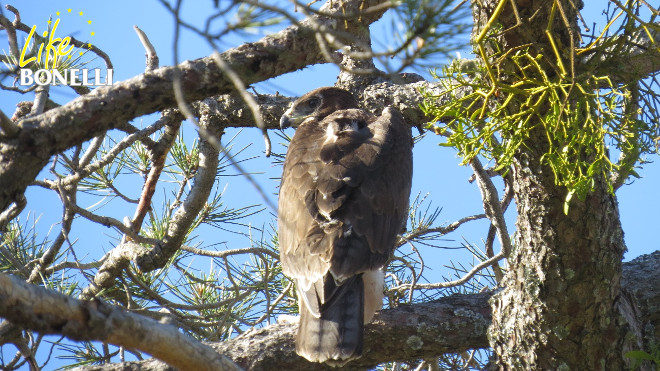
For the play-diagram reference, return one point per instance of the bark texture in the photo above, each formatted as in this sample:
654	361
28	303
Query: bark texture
421	331
559	306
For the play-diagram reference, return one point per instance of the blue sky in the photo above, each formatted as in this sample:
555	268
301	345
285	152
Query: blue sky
436	168
436	171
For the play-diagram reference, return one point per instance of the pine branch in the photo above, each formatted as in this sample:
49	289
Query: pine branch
56	130
49	312
419	331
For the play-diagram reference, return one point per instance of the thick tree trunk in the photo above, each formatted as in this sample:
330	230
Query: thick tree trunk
559	305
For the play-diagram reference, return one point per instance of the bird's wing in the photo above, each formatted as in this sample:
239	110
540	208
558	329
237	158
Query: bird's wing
366	187
301	167
343	201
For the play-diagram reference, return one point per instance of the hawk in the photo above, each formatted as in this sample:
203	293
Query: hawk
343	200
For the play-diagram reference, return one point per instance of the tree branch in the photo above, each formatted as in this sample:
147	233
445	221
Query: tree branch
492	205
8	127
185	215
159	253
49	312
85	117
448	325
626	58
56	130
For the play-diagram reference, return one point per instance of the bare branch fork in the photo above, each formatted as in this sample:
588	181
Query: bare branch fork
492	204
158	153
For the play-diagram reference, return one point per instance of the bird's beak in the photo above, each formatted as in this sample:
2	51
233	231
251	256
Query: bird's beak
291	119
285	122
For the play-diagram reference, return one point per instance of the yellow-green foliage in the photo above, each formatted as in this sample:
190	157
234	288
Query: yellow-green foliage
491	113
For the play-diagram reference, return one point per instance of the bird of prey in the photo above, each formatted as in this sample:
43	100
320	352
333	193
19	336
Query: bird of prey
343	200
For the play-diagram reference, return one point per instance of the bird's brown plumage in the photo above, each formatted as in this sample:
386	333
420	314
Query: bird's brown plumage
343	200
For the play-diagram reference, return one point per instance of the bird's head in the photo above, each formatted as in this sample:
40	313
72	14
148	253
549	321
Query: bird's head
317	104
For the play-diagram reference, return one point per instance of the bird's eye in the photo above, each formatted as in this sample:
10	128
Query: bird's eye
314	103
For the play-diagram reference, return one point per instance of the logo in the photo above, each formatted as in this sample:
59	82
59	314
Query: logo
47	59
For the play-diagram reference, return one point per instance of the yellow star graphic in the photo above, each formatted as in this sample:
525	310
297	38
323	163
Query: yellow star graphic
81	53
89	22
49	21
57	13
68	10
81	13
45	33
68	56
89	45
